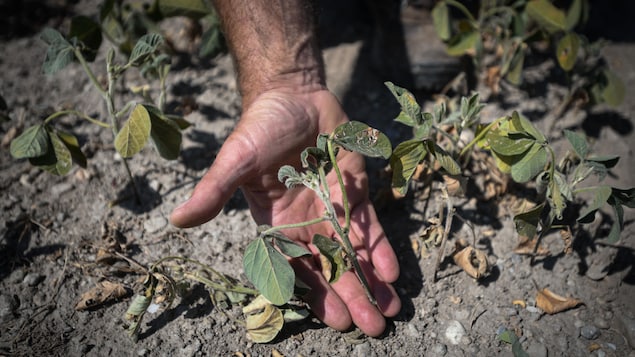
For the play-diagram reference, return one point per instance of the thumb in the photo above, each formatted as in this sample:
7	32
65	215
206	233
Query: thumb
233	164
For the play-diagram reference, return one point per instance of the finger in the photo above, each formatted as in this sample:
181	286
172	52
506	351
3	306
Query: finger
232	164
364	314
324	302
366	228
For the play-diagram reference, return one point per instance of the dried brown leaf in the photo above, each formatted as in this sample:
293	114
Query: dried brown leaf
493	78
104	292
553	303
527	246
456	186
473	261
567	237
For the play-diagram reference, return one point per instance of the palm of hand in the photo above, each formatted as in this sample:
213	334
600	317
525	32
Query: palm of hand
272	132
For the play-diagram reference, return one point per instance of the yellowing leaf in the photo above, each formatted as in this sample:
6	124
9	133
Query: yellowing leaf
263	322
553	303
567	51
546	15
135	132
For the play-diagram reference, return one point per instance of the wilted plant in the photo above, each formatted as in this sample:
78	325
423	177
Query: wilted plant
55	150
506	29
519	149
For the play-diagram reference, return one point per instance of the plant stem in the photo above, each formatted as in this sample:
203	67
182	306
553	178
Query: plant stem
77	113
343	231
221	287
481	135
446	231
109	97
295	225
89	72
227	285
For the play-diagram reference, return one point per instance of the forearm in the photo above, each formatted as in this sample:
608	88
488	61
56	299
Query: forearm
274	45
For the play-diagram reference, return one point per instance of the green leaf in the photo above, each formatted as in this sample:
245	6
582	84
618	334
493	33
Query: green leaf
523	124
289	247
530	164
404	161
57	161
465	43
359	137
269	271
288	175
507	146
59	53
313	157
165	133
410	110
212	40
578	142
514	70
618	224
444	158
567	51
146	45
33	142
73	147
509	337
194	9
441	20
526	223
89	33
574	15
557	191
135	132
135	312
601	195
334	253
608	161
613	92
549	17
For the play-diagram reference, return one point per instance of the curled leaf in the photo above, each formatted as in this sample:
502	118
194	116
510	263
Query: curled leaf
263	321
553	303
103	293
473	261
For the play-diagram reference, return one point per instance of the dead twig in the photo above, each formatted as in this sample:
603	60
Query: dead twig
446	231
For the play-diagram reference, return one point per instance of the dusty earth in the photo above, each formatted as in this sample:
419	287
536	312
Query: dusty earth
51	227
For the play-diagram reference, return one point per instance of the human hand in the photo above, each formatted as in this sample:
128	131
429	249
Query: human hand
273	131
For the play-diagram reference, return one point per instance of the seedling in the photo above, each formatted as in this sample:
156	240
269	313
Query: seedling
520	150
55	150
501	34
265	261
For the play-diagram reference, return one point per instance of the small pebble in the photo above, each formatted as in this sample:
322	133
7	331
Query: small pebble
142	352
439	349
533	309
8	305
590	332
362	350
611	346
601	323
155	224
61	188
33	279
601	353
628	329
454	332
536	350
